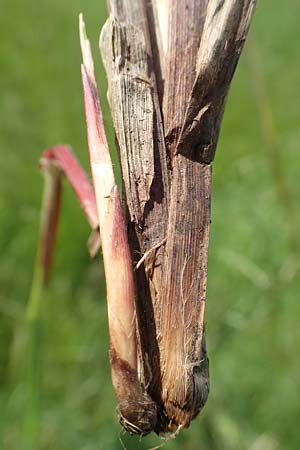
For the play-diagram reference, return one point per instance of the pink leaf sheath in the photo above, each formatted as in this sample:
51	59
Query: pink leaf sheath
131	395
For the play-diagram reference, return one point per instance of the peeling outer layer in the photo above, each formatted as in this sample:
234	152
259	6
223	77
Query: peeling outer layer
225	30
130	96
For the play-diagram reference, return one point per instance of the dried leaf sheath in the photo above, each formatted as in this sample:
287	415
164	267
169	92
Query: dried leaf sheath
185	25
224	35
188	65
184	352
132	110
162	348
184	363
146	236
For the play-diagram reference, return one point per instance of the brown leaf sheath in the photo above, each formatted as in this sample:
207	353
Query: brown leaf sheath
162	297
183	357
184	362
195	57
132	110
185	26
183	348
226	27
134	89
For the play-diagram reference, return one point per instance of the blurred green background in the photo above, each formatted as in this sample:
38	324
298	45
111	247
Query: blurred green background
253	307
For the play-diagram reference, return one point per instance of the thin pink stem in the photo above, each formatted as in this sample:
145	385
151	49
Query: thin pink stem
56	162
63	157
50	211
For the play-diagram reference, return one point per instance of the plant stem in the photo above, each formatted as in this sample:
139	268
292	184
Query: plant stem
32	366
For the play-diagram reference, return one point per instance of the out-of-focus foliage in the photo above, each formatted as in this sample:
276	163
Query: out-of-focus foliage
253	308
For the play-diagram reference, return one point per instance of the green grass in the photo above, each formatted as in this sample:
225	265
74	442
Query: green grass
253	306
